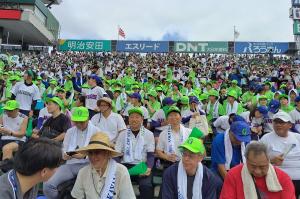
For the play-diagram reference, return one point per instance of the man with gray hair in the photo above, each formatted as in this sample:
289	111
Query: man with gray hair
257	178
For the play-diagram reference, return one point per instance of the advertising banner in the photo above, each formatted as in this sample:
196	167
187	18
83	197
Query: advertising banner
201	47
261	47
85	45
143	46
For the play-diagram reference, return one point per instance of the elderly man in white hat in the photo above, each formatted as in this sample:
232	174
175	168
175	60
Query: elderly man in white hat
103	177
284	147
107	121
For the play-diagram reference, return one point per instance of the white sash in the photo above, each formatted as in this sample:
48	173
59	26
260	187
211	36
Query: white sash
73	141
171	142
232	109
110	181
131	155
228	150
182	182
215	113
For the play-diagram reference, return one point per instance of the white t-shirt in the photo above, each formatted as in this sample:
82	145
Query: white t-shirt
92	96
82	139
222	123
26	94
149	144
112	125
278	145
295	115
268	123
44	114
13	124
160	116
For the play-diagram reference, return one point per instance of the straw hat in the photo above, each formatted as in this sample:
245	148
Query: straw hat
99	141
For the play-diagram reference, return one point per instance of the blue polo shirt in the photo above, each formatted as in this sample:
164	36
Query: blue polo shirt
218	153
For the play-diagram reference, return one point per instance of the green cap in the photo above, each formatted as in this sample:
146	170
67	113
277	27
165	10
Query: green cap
213	92
173	109
234	81
58	101
262	97
152	93
85	85
232	93
196	133
184	100
39	78
135	87
117	90
80	114
11	105
283	96
137	110
60	89
282	86
194	145
203	96
159	88
138	169
53	81
267	82
13	78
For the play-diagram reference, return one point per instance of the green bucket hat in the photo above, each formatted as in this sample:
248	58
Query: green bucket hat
85	85
184	100
196	133
60	89
39	78
137	110
13	78
11	105
80	114
138	169
232	93
234	81
173	109
268	83
203	96
152	93
58	101
193	145
135	87
159	89
117	90
262	97
53	81
282	86
213	92
283	96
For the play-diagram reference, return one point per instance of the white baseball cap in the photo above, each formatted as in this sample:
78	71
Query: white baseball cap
283	116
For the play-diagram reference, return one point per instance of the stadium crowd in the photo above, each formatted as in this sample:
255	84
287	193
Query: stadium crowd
214	126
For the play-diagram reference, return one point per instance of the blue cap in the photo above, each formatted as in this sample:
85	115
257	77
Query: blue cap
194	99
274	106
241	131
297	99
237	118
95	77
259	88
263	110
168	101
136	95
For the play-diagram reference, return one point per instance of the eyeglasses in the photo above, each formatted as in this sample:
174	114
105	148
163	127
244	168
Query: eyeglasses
187	154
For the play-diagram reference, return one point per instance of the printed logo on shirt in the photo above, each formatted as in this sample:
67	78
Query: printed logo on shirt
21	92
92	96
244	132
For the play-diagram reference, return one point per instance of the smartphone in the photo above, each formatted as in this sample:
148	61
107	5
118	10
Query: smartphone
288	149
71	153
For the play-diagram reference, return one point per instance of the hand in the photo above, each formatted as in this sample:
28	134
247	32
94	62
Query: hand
66	157
277	160
195	115
172	157
164	123
5	131
30	113
148	172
